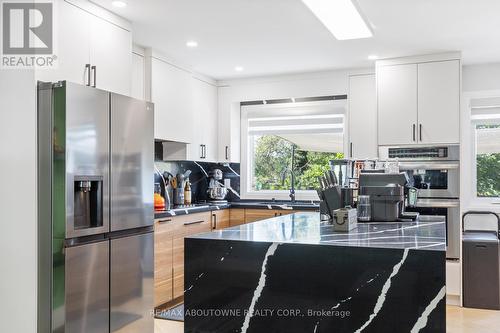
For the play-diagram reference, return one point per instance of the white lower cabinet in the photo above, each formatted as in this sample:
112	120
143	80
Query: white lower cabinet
362	117
90	50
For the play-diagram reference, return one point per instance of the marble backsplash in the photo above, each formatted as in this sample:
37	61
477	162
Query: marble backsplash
198	179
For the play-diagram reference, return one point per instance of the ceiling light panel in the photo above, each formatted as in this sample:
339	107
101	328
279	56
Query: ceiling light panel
341	17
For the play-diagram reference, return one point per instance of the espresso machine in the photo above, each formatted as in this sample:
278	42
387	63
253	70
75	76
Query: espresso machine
390	194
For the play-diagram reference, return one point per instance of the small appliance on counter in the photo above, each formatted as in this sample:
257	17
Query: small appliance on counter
216	191
389	194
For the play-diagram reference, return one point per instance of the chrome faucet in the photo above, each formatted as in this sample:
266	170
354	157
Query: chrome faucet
292	174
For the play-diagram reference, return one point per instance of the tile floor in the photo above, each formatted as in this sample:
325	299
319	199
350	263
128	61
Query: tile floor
459	320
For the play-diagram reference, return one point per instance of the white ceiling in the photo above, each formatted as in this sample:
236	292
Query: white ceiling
283	36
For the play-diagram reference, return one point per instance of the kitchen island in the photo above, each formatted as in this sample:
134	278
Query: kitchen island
293	273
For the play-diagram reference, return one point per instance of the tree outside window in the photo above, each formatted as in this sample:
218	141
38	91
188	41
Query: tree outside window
488	160
272	164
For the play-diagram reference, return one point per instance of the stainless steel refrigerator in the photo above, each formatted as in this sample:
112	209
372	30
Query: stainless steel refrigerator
95	193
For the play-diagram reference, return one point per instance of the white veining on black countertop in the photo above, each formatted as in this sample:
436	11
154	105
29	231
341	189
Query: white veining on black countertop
422	320
259	288
381	298
428	233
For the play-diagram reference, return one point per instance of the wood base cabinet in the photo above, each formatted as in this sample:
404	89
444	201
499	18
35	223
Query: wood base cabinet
163	248
221	219
169	252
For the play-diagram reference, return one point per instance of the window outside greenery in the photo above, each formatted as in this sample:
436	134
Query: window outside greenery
272	164
488	164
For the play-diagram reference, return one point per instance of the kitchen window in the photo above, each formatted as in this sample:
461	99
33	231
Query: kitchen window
485	121
284	139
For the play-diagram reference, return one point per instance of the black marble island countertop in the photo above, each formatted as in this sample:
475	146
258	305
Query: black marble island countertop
427	233
295	274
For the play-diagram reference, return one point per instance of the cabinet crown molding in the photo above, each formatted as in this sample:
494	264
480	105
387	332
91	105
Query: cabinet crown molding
419	59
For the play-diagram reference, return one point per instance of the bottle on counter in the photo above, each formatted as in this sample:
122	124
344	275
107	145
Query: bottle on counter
187	193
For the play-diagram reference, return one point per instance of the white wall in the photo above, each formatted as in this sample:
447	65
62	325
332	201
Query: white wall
232	92
18	236
481	77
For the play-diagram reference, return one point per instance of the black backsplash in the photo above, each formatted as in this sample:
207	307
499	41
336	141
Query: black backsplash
199	182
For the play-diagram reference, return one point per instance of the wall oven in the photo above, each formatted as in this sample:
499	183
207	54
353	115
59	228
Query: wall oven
435	172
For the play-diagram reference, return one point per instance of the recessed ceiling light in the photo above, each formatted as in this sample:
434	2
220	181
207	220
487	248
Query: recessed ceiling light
341	17
238	68
372	57
119	4
192	43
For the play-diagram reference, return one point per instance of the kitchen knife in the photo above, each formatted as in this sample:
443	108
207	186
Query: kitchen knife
333	177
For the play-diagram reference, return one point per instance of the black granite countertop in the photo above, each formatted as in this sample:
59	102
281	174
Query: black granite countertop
427	233
207	207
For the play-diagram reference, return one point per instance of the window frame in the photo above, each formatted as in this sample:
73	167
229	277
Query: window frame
487	200
469	151
247	160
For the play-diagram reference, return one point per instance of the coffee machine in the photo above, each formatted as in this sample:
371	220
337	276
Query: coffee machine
390	194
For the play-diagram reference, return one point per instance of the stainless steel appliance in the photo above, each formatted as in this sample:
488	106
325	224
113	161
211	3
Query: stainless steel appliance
95	153
216	190
435	172
389	195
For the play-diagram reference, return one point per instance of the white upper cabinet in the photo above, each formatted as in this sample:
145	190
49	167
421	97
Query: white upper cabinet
86	39
137	89
228	127
110	56
171	92
362	100
204	145
419	103
439	102
73	46
397	104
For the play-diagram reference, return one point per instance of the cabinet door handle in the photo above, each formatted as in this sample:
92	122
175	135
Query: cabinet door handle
87	71
204	151
351	150
227	152
214	219
94	69
420	131
414	132
164	221
193	222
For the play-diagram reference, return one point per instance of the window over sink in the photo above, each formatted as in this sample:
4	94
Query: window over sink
284	139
